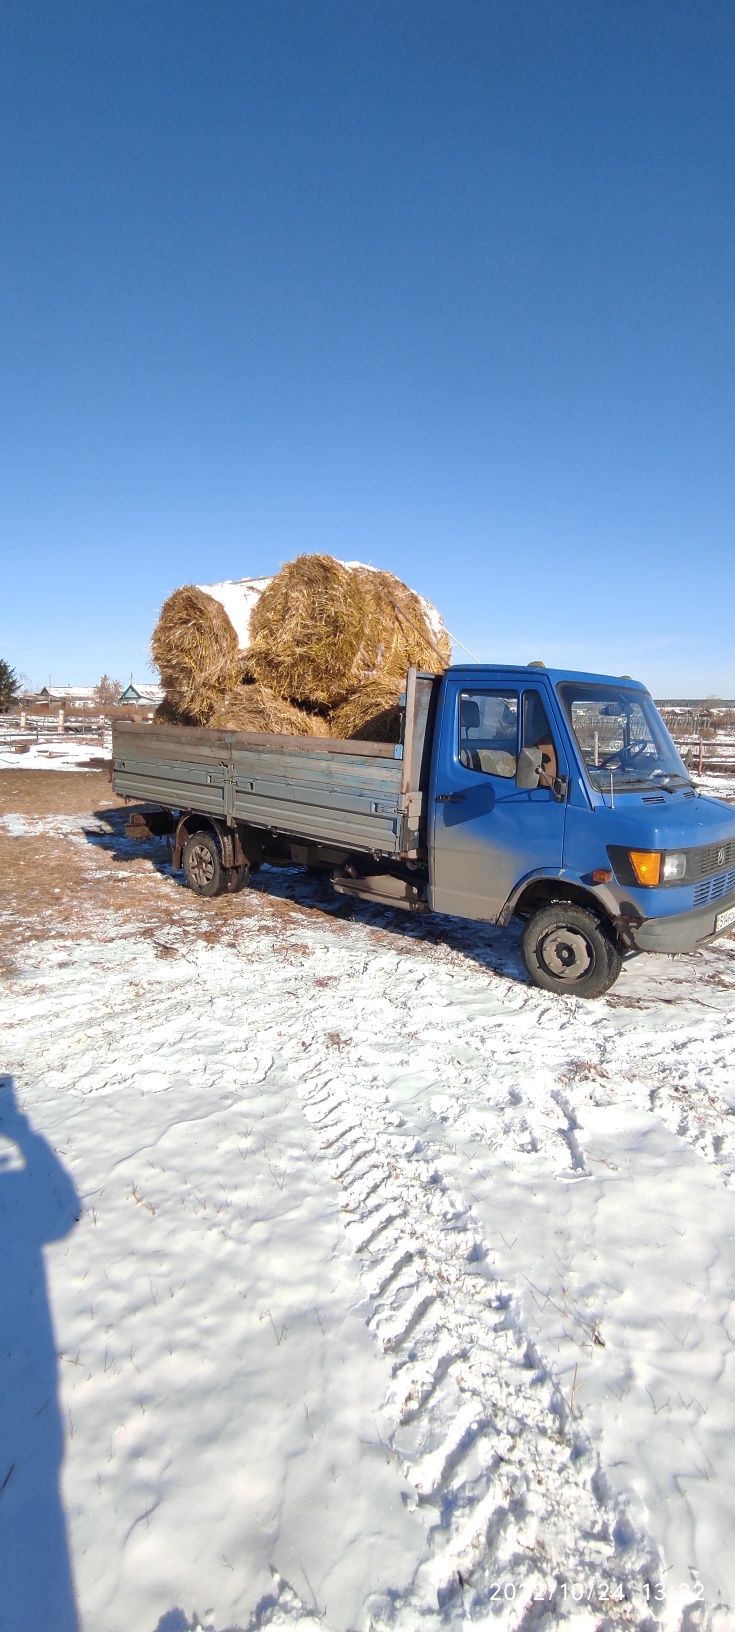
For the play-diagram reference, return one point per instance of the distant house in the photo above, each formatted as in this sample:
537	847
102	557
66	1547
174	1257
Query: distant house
144	693
68	696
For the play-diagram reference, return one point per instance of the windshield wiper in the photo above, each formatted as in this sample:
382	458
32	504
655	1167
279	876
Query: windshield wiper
636	784
674	779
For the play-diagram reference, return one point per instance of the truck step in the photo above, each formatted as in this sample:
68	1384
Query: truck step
384	888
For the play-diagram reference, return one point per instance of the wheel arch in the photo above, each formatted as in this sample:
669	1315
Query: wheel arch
540	892
193	822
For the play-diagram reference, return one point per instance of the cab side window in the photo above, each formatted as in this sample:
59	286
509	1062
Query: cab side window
488	732
537	734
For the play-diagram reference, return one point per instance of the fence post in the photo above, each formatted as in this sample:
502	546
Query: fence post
701	753
61	722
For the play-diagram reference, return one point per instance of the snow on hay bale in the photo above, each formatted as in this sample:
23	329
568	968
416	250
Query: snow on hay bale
372	714
238	596
199	642
322	628
255	708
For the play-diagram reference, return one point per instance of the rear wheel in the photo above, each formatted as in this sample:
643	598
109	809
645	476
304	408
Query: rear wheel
202	864
568	949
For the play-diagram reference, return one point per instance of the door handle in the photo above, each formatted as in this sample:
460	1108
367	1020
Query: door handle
449	798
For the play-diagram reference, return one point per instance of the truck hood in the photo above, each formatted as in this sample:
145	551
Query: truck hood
643	822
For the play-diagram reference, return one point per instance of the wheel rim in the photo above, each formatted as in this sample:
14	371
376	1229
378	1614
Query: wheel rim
566	954
201	865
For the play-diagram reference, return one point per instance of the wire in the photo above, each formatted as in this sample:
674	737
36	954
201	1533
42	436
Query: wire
461	644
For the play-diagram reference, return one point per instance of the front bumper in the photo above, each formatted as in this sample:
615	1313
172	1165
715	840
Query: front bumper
682	933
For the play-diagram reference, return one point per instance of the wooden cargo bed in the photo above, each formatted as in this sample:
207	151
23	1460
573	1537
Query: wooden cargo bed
361	796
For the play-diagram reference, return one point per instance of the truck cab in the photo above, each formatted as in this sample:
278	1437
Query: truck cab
560	797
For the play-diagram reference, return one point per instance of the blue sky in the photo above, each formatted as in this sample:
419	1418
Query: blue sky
444	285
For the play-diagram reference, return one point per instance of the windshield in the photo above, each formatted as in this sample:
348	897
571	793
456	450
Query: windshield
622	738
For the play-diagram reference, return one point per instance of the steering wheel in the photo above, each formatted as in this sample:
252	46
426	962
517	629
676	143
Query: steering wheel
624	756
638	749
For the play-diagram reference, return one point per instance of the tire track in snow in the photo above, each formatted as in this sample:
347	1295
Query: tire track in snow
517	1508
571	1051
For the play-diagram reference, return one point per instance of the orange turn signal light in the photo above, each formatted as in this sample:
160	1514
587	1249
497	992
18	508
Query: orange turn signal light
601	875
646	865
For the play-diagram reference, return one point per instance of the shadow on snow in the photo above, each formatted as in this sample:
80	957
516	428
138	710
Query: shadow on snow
38	1204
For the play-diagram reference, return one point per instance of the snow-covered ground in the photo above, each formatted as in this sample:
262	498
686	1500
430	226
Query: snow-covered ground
54	754
352	1282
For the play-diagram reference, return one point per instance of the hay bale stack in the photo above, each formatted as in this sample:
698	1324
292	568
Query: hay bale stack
322	629
372	714
255	708
196	651
260	654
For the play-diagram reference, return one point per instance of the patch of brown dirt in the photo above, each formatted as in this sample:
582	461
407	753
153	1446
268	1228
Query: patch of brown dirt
53	886
68	793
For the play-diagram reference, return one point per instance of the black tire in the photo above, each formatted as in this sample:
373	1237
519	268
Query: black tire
567	949
202	864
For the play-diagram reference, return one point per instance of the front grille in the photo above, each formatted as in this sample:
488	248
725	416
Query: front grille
713	889
710	858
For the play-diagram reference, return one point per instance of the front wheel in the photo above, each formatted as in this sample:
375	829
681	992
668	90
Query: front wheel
568	949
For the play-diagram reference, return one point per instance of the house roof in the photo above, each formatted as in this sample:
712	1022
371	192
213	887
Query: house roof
66	692
143	691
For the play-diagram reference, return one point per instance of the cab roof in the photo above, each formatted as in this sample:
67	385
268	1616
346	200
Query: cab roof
526	671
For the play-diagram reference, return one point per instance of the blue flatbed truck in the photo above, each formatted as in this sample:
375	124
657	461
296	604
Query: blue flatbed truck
524	793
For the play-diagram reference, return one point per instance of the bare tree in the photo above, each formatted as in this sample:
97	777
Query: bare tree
107	692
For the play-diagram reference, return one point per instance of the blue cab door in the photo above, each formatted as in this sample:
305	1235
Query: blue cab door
486	832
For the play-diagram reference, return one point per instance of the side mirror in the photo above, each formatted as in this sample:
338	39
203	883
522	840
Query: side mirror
529	765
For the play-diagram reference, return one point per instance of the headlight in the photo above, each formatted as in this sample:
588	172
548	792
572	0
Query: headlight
652	867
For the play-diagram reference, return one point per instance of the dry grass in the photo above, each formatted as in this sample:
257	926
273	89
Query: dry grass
372	714
255	708
321	630
195	649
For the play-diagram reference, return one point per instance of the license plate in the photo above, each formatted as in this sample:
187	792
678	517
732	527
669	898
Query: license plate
724	918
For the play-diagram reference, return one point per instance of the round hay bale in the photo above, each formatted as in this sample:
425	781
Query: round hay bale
169	713
196	650
306	630
255	708
411	632
372	714
322	628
